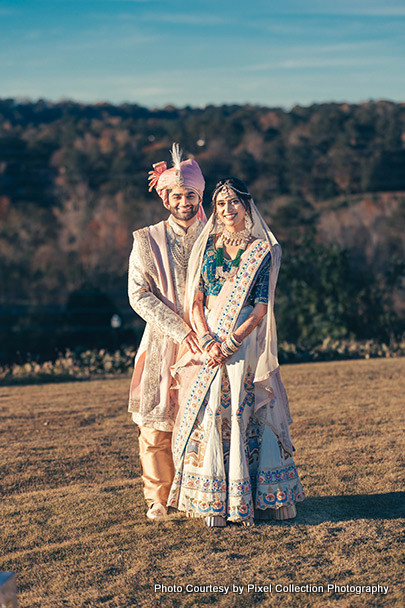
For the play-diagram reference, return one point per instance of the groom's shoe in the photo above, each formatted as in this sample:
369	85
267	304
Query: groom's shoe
282	513
157	511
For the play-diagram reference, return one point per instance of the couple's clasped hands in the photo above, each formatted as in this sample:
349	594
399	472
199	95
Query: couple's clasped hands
214	351
215	355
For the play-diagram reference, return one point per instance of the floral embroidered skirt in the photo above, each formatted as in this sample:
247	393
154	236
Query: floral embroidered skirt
232	464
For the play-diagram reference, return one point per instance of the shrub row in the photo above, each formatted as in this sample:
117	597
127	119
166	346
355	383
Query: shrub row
100	363
335	350
71	365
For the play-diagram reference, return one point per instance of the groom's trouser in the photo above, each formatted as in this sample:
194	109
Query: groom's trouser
155	453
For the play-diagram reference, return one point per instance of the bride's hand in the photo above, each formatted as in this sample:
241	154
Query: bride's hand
215	355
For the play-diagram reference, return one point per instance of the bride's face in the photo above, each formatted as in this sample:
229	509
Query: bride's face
231	211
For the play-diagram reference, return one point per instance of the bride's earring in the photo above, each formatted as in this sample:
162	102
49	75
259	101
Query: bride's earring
218	225
248	222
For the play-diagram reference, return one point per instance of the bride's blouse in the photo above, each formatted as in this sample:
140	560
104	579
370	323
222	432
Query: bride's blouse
210	285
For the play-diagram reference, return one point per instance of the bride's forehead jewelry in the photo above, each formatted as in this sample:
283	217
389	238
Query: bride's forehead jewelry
226	191
229	191
241	192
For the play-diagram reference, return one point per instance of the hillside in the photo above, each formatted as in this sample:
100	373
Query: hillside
329	178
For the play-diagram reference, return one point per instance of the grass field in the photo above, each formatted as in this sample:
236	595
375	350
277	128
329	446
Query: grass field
72	513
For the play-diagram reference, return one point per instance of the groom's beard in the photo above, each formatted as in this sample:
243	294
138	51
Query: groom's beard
185	214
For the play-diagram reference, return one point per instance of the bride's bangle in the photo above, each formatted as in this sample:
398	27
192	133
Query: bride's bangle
206	341
209	346
234	341
230	345
226	351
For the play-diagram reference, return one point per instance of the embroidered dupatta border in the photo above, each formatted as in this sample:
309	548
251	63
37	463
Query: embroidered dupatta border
240	290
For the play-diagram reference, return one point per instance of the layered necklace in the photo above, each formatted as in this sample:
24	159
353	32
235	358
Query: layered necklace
240	238
181	252
181	243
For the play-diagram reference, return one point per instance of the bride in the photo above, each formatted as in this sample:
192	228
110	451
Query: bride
231	444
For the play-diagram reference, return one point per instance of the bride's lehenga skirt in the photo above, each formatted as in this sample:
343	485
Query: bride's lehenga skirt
232	464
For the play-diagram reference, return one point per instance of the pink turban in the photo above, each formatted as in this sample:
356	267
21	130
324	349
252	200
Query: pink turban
185	173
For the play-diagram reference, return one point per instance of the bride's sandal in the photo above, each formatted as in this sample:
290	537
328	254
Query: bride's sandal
215	521
244	523
248	522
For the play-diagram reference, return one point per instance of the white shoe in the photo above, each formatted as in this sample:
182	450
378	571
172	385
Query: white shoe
157	511
215	521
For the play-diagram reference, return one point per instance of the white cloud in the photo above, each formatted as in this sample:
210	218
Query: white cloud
103	42
130	1
343	8
382	11
186	19
33	35
313	63
8	12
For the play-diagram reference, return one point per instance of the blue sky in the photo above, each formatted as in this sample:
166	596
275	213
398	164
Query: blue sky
157	52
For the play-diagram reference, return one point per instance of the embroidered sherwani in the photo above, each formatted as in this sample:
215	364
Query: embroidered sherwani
156	285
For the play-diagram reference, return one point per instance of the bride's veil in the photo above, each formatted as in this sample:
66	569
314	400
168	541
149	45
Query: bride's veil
267	334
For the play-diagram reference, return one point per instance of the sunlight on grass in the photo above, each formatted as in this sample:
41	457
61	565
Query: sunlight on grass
72	513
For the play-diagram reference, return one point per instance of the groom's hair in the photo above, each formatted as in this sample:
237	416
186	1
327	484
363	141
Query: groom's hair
240	189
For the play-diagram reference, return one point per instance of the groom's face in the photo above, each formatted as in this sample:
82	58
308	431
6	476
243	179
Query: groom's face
183	203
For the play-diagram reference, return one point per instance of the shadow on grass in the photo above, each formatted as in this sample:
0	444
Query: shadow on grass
48	379
318	509
40	380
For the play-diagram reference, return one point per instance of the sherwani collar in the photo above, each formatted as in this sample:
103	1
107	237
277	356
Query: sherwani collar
183	232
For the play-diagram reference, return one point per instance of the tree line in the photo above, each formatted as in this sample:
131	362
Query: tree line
328	178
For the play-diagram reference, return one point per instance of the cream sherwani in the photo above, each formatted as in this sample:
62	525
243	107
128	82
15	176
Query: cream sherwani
156	286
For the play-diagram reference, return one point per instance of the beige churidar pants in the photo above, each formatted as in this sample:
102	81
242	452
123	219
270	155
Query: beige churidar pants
155	454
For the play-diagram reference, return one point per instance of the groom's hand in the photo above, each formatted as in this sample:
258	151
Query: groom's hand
191	342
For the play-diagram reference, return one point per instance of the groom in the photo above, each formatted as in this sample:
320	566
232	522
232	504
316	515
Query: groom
156	287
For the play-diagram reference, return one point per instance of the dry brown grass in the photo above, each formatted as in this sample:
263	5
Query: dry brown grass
72	512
